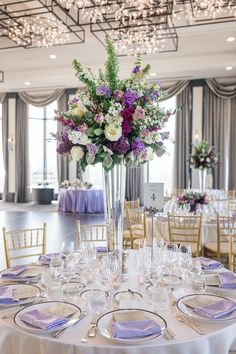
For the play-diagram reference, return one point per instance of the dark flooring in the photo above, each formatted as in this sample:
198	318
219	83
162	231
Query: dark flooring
60	226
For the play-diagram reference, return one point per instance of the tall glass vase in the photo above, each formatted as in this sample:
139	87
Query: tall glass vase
202	180
114	196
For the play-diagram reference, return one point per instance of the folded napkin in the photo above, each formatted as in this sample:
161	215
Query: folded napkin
42	319
6	295
227	280
217	310
14	272
46	258
101	249
135	329
207	263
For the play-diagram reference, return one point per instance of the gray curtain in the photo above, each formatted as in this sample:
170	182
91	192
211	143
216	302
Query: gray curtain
134	183
227	89
215	121
173	88
182	140
2	96
41	99
4	145
62	162
21	146
232	147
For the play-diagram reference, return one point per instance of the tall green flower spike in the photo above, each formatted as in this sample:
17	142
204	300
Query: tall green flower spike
112	65
85	76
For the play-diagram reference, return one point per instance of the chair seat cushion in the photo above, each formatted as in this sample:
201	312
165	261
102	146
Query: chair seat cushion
137	227
135	234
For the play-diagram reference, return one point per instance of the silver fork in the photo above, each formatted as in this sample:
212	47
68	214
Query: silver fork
92	330
71	323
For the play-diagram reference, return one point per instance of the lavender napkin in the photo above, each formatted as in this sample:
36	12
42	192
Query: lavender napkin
14	272
42	319
135	329
227	280
6	295
207	263
101	249
217	310
46	258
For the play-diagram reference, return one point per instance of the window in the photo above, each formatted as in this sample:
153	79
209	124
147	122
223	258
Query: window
2	171
42	147
160	169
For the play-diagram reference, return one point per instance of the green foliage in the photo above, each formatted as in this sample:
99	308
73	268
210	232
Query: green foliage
138	59
112	66
85	76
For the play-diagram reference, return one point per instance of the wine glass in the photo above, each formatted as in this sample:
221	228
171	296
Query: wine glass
67	248
96	301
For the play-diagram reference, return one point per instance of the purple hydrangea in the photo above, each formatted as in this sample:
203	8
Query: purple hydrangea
92	149
64	148
137	146
136	69
103	91
122	146
130	97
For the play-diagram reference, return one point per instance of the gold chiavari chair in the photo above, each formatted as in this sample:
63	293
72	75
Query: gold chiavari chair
91	232
231	205
226	226
24	243
231	194
186	230
232	252
132	204
136	222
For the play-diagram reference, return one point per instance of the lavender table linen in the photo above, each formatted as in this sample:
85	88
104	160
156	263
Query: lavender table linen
6	295
207	263
217	310
14	272
227	280
42	319
101	249
135	329
46	258
81	201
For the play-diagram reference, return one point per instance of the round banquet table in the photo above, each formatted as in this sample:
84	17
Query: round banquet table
81	201
218	338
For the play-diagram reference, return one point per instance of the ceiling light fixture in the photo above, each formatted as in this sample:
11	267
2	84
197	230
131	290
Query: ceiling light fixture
230	39
27	83
228	68
52	56
37	31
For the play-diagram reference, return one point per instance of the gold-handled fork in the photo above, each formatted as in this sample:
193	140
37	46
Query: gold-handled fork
92	331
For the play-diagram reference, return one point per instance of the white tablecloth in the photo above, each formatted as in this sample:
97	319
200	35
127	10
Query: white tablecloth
219	338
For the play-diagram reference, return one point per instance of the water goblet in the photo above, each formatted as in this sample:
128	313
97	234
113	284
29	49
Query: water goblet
97	301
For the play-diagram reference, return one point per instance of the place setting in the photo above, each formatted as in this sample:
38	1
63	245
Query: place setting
22	273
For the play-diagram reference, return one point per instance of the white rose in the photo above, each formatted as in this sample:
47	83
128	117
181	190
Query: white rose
113	132
149	154
78	137
76	153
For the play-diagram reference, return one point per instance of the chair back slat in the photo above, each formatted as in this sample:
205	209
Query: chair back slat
92	233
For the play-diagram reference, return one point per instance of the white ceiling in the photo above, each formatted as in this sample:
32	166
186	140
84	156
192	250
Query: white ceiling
203	52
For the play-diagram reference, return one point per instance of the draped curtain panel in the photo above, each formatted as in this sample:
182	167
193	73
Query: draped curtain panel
4	145
232	146
62	161
173	88
216	120
182	140
22	152
2	96
41	99
134	183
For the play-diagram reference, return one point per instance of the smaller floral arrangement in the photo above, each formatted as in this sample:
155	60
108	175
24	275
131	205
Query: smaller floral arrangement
193	199
203	156
75	183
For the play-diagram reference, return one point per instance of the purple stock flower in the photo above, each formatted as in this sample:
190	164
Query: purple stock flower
92	149
74	100
130	97
103	91
118	95
154	95
136	69
65	147
121	146
127	115
137	146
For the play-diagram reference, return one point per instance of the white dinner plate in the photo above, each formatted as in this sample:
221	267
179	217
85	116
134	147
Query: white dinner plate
188	311
23	292
74	310
127	295
34	269
87	292
73	288
104	326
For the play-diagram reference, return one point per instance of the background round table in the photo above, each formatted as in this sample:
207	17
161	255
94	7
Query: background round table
81	201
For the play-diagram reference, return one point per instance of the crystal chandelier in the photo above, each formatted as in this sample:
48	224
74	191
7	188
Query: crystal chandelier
37	31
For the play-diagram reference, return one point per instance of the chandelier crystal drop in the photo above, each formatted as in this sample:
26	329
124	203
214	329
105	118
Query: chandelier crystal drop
37	31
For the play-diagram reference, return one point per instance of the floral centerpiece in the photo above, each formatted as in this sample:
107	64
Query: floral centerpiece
75	183
114	119
193	199
118	123
203	156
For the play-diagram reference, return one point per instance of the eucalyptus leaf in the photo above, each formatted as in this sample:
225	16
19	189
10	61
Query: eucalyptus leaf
98	131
